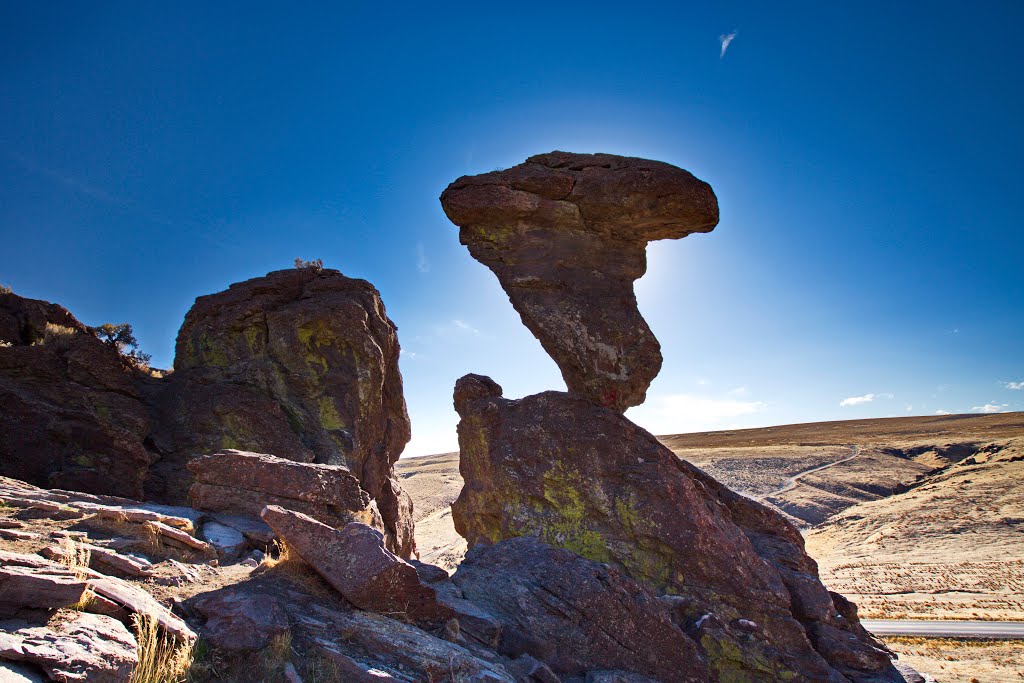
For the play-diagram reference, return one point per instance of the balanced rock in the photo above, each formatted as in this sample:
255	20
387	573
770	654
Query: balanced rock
72	417
356	563
301	363
586	479
566	235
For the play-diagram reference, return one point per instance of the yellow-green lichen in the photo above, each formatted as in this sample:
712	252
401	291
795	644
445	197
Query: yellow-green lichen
566	525
329	417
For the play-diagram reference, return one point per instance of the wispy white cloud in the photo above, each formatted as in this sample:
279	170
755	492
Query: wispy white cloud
860	400
726	40
676	413
990	408
739	392
464	326
1016	386
943	412
422	262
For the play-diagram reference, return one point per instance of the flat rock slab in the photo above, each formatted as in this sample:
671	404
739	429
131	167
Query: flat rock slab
326	484
356	563
227	541
89	647
27	587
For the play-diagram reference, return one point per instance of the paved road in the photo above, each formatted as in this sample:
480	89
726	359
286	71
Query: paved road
951	629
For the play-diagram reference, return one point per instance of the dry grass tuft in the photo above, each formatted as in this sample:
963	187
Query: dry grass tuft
162	658
75	556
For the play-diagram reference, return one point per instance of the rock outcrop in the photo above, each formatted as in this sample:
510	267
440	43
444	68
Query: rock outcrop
72	416
587	479
566	235
301	363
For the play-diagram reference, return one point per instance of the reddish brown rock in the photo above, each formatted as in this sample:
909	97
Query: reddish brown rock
242	483
356	563
39	587
587	479
71	414
239	620
88	648
301	363
566	235
574	614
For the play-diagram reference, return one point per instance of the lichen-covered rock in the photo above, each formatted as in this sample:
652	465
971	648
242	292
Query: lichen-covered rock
566	235
301	363
587	479
71	417
576	615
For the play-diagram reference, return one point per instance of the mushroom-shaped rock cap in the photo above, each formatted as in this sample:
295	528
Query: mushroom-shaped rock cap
566	235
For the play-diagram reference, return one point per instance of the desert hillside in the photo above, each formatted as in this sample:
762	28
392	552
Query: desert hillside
915	517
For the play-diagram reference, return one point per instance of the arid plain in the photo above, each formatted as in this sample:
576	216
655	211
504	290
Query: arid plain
911	518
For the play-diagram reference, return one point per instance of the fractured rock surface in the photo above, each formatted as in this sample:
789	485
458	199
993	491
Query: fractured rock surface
566	235
587	479
574	614
88	647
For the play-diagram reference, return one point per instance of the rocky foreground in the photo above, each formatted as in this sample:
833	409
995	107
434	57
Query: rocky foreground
262	534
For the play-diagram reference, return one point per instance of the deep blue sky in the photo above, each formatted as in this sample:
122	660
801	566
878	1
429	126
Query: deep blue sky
867	160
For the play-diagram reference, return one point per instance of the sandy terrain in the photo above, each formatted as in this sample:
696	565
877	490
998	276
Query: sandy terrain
951	659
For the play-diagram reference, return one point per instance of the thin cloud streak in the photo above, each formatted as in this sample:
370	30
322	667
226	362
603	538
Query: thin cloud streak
1016	386
726	40
422	263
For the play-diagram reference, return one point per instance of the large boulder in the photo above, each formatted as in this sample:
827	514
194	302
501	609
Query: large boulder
241	483
356	564
585	478
566	235
72	417
574	614
301	363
